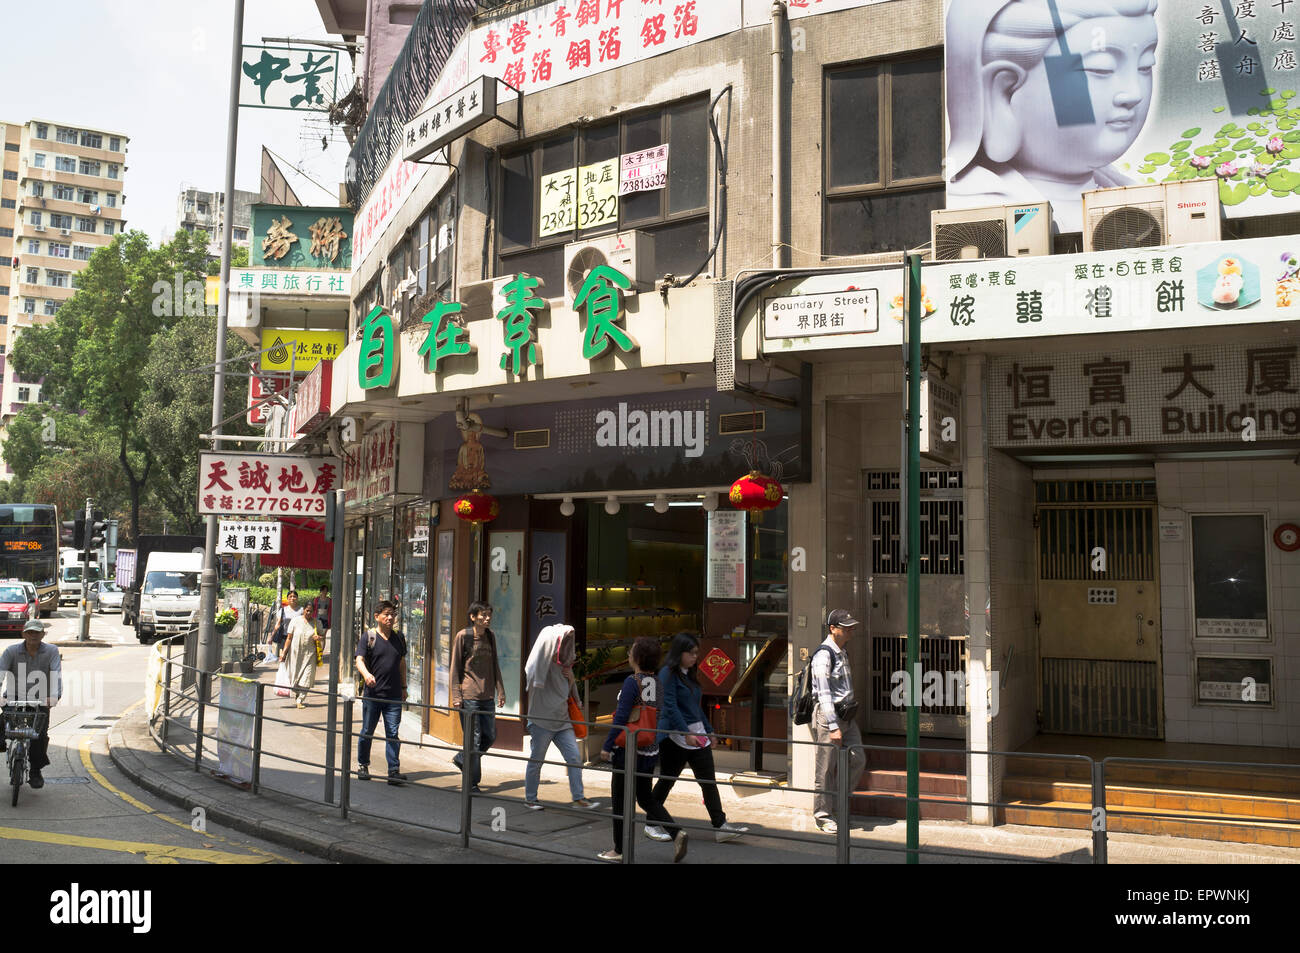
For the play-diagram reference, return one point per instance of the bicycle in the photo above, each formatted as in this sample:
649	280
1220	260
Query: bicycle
23	722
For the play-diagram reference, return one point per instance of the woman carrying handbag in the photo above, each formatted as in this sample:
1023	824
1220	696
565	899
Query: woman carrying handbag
550	685
638	708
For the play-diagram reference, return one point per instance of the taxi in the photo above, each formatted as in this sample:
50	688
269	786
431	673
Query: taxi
15	608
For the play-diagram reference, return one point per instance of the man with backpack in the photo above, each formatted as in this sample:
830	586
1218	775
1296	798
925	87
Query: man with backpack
834	719
381	663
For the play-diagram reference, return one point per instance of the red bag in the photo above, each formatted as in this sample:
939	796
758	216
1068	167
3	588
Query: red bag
643	722
575	716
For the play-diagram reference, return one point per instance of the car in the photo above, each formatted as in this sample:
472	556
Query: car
15	608
34	610
107	595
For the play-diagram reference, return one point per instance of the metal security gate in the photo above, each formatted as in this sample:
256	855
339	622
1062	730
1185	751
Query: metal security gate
1099	608
943	593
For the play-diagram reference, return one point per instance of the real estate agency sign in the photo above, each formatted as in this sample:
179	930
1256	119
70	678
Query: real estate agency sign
238	484
311	406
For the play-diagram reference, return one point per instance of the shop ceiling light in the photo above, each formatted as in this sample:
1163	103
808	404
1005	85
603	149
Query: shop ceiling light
710	502
661	503
566	508
612	505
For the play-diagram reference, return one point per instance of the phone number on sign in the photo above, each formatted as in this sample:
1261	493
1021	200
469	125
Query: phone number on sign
282	503
646	184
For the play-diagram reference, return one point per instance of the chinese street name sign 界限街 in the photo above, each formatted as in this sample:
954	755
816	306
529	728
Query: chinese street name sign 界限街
280	77
247	536
239	484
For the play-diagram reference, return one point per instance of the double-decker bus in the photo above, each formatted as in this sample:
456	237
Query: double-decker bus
29	549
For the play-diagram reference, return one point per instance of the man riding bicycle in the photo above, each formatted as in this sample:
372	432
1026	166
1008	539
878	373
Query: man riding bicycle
33	671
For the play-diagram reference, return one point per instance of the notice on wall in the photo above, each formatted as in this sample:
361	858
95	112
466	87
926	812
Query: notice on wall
1234	680
559	207
643	171
585	197
235	728
726	556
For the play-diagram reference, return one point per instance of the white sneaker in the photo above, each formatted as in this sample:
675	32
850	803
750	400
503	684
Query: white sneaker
533	805
730	832
657	833
583	803
610	855
826	824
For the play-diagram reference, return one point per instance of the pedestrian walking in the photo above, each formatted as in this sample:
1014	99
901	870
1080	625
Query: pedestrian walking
640	691
324	609
289	611
381	661
834	721
476	684
300	653
685	735
550	684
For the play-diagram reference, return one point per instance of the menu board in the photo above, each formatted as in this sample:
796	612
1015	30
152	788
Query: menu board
725	567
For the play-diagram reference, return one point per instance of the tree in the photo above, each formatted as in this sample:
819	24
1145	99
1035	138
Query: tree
238	259
90	357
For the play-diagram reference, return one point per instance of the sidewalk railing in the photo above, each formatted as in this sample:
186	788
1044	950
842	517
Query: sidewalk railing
180	708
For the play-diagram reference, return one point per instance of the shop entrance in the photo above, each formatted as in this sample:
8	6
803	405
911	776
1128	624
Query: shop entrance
1099	608
943	599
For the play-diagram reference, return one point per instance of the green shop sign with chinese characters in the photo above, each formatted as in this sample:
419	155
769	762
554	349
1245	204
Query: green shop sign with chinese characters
600	303
301	237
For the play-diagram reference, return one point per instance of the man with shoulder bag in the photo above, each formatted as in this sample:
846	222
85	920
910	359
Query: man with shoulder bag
834	722
381	665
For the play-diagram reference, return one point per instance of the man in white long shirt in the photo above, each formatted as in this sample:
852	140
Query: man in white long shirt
834	722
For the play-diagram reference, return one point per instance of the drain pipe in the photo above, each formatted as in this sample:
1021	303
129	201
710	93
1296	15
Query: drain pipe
780	251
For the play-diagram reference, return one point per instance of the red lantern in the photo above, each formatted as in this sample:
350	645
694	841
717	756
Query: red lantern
756	492
477	507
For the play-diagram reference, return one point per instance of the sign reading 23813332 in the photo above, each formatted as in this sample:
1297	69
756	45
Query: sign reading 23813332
280	484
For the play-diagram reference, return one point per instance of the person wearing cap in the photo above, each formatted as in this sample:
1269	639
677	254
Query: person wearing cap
33	671
834	720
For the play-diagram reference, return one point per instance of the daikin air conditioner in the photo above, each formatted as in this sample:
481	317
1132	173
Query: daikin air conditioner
1140	216
1000	231
632	253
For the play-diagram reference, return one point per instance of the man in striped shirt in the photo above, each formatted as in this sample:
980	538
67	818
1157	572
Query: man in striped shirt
834	721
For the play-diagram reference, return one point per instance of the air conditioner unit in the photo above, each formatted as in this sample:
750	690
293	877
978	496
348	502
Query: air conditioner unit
1140	216
65	231
632	253
482	298
38	228
1000	231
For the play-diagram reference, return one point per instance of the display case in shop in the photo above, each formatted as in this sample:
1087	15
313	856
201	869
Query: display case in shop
619	615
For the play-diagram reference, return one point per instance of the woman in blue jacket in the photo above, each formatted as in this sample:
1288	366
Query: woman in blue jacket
685	736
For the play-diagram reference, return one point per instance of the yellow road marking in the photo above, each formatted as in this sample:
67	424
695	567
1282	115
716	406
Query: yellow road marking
145	808
153	853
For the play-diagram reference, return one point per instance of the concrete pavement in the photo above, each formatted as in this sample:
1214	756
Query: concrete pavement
419	823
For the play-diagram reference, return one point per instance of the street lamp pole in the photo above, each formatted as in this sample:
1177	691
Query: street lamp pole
208	653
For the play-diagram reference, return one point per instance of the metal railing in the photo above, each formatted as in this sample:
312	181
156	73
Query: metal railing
177	705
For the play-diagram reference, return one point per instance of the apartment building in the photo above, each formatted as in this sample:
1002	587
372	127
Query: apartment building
64	197
199	211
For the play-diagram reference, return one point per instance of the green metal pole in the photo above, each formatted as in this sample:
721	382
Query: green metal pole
913	557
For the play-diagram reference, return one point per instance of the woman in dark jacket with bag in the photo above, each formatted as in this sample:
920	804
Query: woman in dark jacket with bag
685	736
640	690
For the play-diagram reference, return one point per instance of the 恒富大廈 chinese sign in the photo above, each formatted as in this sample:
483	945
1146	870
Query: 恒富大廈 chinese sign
1128	397
239	484
1255	281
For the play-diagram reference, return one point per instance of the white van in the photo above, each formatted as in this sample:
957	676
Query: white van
169	595
70	575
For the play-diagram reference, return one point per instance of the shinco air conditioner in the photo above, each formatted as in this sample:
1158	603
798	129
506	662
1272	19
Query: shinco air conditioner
632	253
1141	216
1000	231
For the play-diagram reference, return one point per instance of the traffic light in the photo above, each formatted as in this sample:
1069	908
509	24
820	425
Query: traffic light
68	533
79	532
98	530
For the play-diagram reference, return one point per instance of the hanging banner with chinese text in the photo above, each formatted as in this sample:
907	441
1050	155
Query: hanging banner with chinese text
237	484
281	77
1162	93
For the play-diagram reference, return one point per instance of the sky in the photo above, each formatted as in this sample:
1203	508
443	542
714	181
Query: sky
158	71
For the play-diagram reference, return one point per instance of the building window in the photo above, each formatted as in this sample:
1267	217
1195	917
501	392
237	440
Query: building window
436	245
29	306
60	250
110	199
64	192
676	215
112	171
36	218
92	140
89	196
65	164
82	252
89	167
8	203
24	393
33	246
4	291
203	208
86	224
108	228
11	175
11	147
240	234
882	178
33	275
6	233
66	135
56	279
38	160
115	144
4	319
38	189
42	131
60	221
1230	576
49	307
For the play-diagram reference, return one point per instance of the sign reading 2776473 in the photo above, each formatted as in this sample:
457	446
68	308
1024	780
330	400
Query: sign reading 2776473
281	484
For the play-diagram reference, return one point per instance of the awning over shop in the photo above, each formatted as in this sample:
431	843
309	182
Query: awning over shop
302	546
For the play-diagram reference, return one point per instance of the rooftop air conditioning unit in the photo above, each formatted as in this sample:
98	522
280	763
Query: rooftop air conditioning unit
1000	231
632	253
1141	216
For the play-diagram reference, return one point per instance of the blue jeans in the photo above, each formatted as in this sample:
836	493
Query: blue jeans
370	711
479	721
567	743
